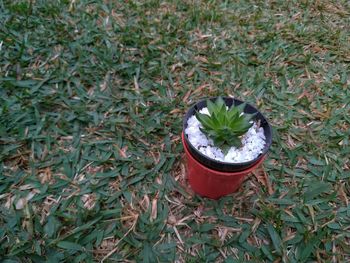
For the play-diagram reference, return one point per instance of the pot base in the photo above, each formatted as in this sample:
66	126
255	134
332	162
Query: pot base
211	183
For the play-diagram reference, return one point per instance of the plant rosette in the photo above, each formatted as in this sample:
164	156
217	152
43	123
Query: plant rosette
224	139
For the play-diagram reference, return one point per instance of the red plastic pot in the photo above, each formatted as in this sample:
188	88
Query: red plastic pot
212	178
210	183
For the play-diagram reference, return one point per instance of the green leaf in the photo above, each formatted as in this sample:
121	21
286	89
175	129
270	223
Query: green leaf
316	189
211	107
311	245
205	120
70	246
276	240
232	113
334	225
220	104
236	142
267	252
51	226
315	161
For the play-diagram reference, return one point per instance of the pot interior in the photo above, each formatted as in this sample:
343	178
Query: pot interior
224	166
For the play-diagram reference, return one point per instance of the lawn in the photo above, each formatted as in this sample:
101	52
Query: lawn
92	97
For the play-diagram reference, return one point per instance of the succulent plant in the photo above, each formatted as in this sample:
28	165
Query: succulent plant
225	125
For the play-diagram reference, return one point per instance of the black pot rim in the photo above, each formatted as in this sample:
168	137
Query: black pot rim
225	166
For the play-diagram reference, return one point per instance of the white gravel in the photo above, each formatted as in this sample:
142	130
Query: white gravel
253	142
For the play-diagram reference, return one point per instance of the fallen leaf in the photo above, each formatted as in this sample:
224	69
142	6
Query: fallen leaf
342	194
24	200
154	208
145	202
262	178
45	176
187	95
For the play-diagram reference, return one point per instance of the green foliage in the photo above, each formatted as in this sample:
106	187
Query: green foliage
225	126
92	95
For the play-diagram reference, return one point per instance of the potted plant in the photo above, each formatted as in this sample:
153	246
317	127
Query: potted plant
224	139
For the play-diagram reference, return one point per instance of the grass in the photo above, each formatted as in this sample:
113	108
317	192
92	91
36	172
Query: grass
92	96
